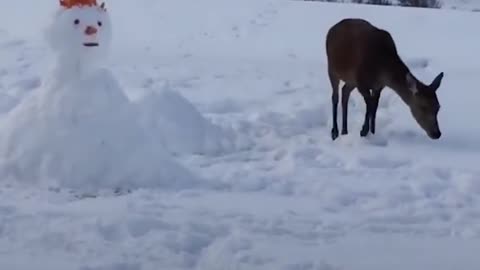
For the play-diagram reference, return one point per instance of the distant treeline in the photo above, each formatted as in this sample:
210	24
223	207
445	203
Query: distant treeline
405	3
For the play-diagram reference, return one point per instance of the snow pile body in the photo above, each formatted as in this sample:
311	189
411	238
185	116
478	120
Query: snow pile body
79	130
180	127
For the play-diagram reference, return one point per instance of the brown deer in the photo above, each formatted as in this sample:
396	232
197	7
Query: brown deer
365	57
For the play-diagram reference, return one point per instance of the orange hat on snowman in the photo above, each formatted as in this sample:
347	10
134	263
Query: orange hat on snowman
80	3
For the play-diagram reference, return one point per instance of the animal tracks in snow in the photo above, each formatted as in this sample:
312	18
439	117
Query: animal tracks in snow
384	162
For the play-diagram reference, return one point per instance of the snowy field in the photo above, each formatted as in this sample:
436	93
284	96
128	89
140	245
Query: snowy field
239	94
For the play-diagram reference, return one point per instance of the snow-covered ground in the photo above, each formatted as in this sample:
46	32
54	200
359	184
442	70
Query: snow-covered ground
243	102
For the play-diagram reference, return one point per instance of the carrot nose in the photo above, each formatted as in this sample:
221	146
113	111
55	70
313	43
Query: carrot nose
90	30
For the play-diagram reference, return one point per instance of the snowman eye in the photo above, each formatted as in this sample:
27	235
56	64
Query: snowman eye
76	22
99	23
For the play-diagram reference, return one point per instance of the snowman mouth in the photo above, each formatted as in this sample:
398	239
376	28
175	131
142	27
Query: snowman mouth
90	44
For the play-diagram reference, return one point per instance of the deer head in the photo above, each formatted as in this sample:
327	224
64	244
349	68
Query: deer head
424	104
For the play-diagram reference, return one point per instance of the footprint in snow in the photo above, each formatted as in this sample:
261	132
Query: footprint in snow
290	88
383	162
354	139
7	102
139	227
219	76
224	106
12	44
148	83
407	136
376	140
7	210
28	84
115	266
417	63
310	266
286	91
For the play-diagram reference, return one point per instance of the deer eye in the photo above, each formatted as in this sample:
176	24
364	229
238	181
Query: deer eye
99	23
76	22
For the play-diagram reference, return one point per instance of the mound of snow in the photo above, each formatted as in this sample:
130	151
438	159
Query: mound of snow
180	127
84	134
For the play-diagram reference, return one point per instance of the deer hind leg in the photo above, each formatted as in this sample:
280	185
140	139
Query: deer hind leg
375	100
346	90
334	82
367	96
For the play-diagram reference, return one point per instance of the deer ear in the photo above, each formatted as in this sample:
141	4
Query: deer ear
436	82
411	83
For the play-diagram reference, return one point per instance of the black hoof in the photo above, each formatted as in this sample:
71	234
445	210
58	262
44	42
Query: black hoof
334	133
344	132
364	131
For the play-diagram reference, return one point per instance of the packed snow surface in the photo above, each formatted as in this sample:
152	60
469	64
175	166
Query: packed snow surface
236	93
84	135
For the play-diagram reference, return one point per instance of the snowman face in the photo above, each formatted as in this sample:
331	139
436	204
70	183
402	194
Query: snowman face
80	30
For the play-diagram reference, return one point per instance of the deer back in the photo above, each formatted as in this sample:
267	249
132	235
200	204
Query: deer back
357	50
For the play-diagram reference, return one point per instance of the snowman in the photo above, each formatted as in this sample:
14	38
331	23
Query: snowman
79	36
79	130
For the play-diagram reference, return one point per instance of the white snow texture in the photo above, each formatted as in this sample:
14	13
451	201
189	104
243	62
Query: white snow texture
196	135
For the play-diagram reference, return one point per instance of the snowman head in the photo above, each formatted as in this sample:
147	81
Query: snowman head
81	29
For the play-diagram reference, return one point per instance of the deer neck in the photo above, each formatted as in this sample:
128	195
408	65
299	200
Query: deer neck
396	80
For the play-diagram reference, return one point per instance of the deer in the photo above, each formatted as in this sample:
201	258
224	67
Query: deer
365	57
